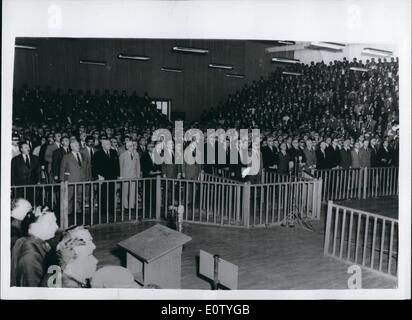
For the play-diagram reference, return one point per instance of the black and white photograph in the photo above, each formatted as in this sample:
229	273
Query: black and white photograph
245	161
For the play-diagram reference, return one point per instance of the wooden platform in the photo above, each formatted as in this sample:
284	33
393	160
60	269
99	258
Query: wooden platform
268	258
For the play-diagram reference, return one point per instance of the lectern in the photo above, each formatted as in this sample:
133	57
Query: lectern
154	256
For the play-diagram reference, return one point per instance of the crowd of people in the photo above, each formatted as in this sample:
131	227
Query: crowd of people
329	117
42	255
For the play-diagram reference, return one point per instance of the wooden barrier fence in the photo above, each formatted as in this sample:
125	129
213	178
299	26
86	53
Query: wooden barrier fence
363	238
209	200
361	183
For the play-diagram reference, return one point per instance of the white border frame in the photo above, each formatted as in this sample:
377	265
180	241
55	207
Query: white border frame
337	21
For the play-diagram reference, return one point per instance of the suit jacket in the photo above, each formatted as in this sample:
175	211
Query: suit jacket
171	170
89	155
345	158
365	157
384	157
148	165
42	152
322	160
48	154
283	163
57	157
140	150
107	167
310	156
333	156
71	171
355	159
374	157
22	174
269	156
129	168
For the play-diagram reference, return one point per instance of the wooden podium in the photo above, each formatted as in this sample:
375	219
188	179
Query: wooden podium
154	256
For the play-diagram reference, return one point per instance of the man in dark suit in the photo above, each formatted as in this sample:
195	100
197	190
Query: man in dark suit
333	154
148	165
89	151
106	166
269	155
25	170
57	157
345	155
283	159
141	148
75	168
321	158
385	155
297	156
374	154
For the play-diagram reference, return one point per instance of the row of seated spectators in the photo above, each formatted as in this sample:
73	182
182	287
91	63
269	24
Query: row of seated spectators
325	98
56	108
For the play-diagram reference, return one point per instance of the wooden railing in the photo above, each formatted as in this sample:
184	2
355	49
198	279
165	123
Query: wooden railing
362	238
361	183
271	203
209	200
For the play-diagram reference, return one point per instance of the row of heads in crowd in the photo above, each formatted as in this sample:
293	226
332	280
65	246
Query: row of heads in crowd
74	250
110	140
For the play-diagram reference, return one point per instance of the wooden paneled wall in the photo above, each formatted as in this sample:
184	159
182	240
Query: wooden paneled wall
55	63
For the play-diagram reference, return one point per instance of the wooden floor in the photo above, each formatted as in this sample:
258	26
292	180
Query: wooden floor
268	258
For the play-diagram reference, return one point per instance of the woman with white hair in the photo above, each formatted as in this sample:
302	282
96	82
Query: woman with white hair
75	257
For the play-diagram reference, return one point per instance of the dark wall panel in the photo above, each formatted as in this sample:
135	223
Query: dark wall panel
55	63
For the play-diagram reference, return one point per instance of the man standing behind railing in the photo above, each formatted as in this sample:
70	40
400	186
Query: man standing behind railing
129	162
106	165
25	170
345	155
48	156
310	155
75	168
57	157
365	155
355	156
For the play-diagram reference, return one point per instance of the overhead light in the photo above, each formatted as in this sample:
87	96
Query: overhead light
327	45
359	69
286	42
220	66
92	62
171	69
284	60
377	52
21	46
133	57
190	50
232	75
292	73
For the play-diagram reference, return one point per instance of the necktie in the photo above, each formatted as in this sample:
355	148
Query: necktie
78	160
108	154
27	161
131	156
